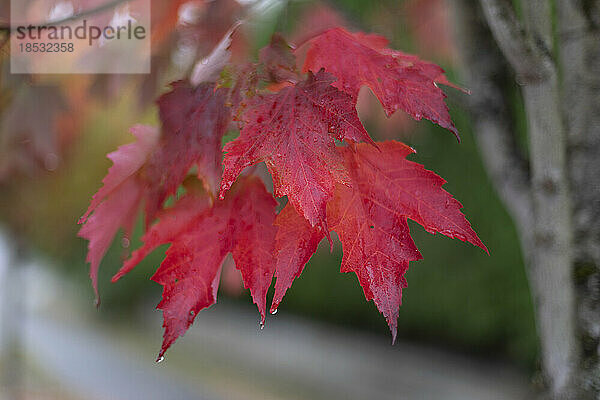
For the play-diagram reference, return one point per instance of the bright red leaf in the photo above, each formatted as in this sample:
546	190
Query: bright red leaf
399	81
149	170
370	218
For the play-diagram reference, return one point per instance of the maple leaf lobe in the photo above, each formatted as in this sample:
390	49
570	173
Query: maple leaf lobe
296	241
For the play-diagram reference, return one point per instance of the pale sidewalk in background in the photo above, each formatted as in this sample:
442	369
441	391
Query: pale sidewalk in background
226	356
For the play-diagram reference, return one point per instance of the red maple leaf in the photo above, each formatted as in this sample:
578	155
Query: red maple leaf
399	81
201	236
370	218
290	132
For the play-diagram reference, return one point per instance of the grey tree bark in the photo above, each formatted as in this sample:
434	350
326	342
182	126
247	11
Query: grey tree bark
554	196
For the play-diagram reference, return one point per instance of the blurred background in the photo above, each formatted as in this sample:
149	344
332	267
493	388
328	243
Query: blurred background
466	325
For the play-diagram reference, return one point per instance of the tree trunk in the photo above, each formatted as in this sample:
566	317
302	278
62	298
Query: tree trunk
555	199
578	36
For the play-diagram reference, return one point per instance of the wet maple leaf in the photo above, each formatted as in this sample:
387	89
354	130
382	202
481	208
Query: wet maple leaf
173	222
400	81
290	132
201	236
370	218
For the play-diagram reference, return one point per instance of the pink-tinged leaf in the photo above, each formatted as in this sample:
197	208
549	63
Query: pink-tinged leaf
296	242
289	131
101	227
194	120
116	204
314	20
430	22
399	81
127	162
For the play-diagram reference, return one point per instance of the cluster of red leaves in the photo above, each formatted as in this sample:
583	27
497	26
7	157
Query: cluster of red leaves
304	126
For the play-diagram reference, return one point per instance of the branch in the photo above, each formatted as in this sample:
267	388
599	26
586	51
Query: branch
531	62
97	10
550	272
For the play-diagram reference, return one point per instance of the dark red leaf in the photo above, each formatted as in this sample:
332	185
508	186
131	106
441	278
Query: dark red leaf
371	220
278	60
194	120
